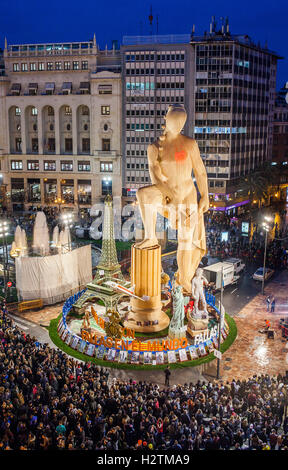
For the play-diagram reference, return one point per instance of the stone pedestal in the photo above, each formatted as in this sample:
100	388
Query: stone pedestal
181	333
196	326
146	316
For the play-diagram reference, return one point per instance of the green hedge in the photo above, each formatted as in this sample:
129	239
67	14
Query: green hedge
53	333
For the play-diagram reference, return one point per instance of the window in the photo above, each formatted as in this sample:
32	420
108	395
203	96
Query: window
49	65
17	111
16	165
106	167
50	165
18	143
85	145
50	111
84	64
106	186
105	89
67	165
16	68
32	66
68	111
34	145
41	66
106	145
24	67
84	166
33	165
105	110
85	111
84	88
67	65
34	111
15	89
75	65
49	88
58	65
51	145
68	145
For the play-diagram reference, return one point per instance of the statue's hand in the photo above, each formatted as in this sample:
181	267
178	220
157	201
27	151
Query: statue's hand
203	204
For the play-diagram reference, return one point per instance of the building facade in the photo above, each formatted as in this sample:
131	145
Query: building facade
70	111
60	137
227	85
280	127
156	72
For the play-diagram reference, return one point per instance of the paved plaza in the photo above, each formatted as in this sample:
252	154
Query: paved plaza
251	353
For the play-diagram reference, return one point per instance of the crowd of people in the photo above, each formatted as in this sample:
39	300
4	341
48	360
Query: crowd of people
50	401
239	246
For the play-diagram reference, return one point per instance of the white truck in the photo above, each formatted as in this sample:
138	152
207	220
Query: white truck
213	274
239	266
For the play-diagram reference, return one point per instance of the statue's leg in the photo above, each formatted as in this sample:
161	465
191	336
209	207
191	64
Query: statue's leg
150	201
203	300
188	261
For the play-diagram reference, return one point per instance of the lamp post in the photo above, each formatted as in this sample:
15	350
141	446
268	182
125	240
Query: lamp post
3	235
220	325
266	228
59	201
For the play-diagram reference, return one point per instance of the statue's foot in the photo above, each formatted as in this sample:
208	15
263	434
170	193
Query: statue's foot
147	243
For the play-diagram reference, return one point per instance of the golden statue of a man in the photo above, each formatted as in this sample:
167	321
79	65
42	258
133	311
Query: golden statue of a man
172	159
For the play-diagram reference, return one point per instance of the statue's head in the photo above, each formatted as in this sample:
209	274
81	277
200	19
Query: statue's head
199	272
175	119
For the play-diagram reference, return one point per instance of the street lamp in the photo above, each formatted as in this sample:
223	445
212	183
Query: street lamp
3	234
59	201
220	325
266	227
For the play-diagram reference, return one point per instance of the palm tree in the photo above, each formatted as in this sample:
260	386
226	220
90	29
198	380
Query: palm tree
256	185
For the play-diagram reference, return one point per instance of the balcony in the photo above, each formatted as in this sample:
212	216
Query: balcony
105	153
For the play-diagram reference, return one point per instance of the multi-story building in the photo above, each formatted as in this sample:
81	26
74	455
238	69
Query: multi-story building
235	83
227	85
157	72
60	113
280	127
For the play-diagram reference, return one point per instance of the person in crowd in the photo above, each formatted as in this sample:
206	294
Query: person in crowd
50	401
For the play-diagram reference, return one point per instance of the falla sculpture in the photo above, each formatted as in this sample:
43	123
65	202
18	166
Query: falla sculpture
172	159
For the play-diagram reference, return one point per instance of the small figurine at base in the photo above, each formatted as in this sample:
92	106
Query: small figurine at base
176	327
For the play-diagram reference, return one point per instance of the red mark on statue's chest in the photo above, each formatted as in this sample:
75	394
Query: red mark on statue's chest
180	156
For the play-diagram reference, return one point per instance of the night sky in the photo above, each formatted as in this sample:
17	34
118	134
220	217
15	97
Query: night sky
33	21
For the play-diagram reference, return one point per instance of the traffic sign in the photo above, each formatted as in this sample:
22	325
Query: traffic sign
217	354
9	284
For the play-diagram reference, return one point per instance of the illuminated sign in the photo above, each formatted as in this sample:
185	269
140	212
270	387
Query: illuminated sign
245	227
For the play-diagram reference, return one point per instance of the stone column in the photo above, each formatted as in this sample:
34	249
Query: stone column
146	277
57	130
40	132
23	132
74	131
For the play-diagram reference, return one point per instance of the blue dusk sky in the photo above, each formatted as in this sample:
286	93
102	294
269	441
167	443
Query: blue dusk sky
33	21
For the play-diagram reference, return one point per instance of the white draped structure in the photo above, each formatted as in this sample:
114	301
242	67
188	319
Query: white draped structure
53	278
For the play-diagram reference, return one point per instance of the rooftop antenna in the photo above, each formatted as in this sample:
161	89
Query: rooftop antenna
150	17
157	23
227	25
222	25
193	31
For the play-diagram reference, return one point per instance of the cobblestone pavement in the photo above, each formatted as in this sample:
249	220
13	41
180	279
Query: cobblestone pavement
252	352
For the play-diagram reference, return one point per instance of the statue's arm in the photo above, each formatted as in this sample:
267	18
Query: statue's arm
155	171
200	173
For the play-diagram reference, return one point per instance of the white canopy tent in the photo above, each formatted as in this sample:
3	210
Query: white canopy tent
53	278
